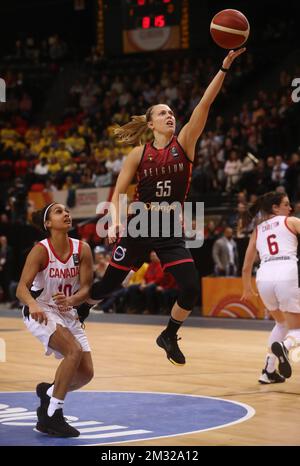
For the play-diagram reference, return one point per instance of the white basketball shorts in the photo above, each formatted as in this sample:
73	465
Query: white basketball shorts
68	320
283	295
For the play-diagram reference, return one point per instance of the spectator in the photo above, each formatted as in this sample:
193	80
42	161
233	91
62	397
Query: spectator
225	254
100	263
41	169
134	296
279	169
211	231
153	276
232	170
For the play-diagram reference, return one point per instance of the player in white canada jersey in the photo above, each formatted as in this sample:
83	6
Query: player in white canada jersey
56	277
277	278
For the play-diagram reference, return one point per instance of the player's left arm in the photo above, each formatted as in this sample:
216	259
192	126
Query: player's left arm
191	132
85	276
85	279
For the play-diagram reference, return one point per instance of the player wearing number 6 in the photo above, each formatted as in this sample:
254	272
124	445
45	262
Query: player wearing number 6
275	240
163	171
56	278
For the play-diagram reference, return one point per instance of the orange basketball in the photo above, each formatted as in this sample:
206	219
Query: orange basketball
229	29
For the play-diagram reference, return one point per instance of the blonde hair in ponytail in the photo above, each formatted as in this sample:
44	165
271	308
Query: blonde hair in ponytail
132	132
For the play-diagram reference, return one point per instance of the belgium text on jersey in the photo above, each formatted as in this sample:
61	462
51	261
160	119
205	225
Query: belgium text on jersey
152	220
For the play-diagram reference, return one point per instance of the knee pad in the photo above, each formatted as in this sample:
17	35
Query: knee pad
188	296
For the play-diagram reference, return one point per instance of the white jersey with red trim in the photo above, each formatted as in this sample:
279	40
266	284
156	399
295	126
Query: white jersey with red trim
277	248
58	275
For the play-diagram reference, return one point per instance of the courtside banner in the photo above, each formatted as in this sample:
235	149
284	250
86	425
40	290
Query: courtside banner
84	203
221	297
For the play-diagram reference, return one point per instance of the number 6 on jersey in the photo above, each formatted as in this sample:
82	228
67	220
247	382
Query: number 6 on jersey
273	245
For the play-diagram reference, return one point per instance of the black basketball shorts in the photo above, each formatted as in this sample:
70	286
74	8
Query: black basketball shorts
130	253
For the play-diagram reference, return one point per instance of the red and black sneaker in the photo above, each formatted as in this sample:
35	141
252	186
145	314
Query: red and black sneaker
170	345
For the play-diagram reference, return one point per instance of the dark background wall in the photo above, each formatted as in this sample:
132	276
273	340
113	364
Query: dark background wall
43	18
78	27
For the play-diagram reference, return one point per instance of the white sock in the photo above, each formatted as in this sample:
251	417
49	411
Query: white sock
271	361
50	391
292	339
278	333
55	404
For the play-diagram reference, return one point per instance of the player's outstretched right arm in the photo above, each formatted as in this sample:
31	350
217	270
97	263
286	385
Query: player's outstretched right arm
193	129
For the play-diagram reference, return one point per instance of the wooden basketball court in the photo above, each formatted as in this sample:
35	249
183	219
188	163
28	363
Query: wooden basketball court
222	363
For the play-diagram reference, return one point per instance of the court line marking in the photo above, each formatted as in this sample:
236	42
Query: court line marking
250	412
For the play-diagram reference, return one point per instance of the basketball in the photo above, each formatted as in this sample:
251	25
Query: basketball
229	29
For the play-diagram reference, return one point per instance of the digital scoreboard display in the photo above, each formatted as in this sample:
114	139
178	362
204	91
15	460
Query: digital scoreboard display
145	14
150	25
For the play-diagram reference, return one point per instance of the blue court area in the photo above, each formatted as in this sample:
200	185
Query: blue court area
116	417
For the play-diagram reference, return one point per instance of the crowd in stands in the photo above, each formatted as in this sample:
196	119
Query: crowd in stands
28	70
80	152
150	290
257	151
248	147
35	50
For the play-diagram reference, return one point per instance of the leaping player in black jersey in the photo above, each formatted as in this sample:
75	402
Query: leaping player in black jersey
163	170
56	277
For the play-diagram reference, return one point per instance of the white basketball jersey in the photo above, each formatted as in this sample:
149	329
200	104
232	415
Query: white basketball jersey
58	275
277	248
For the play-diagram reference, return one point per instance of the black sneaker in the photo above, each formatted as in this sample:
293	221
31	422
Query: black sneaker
282	354
56	425
270	377
41	391
169	344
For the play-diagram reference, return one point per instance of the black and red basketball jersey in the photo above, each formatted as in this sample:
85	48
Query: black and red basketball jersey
163	175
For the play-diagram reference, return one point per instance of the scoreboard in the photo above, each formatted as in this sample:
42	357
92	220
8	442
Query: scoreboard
131	26
149	25
146	14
